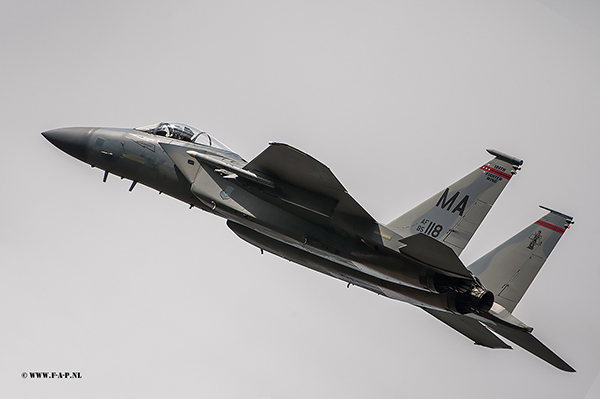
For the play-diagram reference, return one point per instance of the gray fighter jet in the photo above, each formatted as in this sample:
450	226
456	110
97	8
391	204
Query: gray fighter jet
288	203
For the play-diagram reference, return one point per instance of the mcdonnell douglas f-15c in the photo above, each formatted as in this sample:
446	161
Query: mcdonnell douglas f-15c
288	203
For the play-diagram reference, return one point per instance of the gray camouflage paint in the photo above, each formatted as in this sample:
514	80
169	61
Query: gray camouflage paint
510	268
290	204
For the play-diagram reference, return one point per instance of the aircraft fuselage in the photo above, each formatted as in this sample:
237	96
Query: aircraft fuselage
260	219
290	204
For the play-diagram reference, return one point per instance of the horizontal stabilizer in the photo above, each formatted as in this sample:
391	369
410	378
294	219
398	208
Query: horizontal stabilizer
498	314
532	345
470	328
434	253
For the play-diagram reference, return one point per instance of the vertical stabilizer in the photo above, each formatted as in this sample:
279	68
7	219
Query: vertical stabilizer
509	269
453	215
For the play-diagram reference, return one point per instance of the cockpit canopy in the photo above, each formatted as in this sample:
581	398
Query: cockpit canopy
183	132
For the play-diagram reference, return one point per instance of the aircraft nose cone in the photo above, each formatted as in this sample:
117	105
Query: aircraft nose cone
72	140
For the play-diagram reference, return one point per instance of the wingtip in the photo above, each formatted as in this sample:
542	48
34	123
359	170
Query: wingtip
565	367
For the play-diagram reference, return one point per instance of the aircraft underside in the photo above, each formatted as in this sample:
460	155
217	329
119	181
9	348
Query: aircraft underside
289	204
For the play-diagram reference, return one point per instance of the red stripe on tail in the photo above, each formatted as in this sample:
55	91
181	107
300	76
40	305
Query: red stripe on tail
550	226
496	172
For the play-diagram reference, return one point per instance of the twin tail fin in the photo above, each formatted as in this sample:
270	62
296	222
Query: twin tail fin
509	269
453	215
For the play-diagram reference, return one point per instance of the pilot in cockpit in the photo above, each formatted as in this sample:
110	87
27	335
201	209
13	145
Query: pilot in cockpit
163	130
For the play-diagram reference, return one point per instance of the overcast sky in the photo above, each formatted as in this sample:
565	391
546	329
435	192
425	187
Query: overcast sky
399	98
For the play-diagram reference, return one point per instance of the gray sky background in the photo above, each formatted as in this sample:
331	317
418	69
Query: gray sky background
149	299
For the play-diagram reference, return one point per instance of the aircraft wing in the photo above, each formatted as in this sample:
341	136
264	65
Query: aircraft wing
283	175
286	163
470	328
309	180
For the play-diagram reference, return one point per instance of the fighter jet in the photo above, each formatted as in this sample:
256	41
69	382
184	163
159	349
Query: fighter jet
289	204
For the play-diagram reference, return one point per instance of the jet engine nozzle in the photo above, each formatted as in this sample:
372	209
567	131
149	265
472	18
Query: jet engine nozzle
478	300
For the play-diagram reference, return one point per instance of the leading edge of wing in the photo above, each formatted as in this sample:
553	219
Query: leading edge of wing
470	328
282	162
